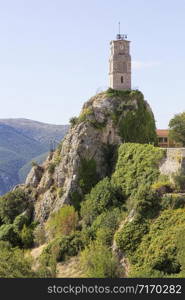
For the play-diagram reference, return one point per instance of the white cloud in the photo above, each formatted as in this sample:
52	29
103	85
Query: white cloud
137	65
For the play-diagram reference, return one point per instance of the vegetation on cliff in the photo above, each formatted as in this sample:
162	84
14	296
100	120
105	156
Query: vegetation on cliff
135	125
118	201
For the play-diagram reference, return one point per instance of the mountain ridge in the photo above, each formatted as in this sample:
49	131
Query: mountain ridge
22	140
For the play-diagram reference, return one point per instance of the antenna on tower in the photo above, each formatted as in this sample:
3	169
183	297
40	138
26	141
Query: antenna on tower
119	27
120	36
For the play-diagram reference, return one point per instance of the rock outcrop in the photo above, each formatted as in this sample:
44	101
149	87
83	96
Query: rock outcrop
173	162
90	143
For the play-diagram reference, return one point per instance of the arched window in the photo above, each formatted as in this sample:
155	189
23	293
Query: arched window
121	79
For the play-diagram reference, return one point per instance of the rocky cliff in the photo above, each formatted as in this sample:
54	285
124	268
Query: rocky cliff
88	151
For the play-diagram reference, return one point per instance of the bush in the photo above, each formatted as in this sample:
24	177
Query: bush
13	264
146	202
12	204
7	233
161	249
20	221
51	167
130	236
97	261
162	187
102	197
85	114
73	121
87	175
27	237
138	125
62	222
172	201
137	165
88	234
105	236
106	224
63	247
179	181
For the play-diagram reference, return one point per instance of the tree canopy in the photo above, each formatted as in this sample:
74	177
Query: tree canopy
177	128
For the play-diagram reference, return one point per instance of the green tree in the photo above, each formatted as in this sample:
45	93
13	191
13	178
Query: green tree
12	204
177	128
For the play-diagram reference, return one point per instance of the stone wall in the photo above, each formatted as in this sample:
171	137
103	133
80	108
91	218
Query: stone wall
173	162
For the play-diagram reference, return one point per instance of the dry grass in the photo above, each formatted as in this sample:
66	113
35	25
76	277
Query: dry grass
69	269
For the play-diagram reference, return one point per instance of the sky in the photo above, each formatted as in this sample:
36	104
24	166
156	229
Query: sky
54	55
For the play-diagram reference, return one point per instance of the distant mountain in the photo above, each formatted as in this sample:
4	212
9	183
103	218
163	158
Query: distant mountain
41	132
22	141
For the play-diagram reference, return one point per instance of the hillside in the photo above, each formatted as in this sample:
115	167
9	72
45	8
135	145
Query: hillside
18	146
105	202
41	132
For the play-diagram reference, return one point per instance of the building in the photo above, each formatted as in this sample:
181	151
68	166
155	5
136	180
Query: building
164	141
120	63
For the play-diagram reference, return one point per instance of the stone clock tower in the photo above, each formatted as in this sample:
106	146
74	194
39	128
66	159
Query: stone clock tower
120	63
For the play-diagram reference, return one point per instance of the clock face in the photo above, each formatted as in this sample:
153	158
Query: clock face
121	47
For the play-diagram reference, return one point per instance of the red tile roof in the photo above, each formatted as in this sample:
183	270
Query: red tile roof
162	132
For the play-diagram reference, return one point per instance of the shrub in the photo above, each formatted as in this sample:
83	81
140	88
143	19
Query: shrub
138	125
110	153
102	197
88	234
123	94
27	236
105	225
87	175
73	121
20	221
162	187
12	204
63	247
130	236
76	199
105	236
13	264
179	181
84	115
51	167
62	222
146	202
7	233
137	165
172	201
97	261
161	249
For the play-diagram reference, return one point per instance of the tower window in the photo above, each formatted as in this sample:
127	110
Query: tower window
121	79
